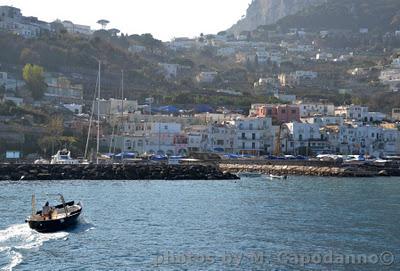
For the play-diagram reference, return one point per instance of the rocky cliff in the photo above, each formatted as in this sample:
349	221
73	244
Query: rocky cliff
264	12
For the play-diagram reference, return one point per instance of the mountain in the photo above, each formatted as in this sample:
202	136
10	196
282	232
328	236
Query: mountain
381	15
264	12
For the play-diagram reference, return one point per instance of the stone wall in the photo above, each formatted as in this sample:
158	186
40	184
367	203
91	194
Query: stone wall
112	172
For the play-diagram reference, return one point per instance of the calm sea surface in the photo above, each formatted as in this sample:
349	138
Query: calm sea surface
252	224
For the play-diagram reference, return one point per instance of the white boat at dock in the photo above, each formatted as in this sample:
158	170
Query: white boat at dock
63	157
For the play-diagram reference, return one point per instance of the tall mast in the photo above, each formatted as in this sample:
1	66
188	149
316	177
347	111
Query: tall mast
91	117
122	92
122	110
98	116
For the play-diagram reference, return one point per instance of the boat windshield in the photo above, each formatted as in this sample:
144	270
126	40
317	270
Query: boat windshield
65	157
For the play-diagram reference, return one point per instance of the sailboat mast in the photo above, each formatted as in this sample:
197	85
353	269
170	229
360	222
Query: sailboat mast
122	93
98	116
122	107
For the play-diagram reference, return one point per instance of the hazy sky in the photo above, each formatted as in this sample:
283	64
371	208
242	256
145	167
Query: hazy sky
165	19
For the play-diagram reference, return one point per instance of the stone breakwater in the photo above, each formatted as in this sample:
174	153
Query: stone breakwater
334	171
30	172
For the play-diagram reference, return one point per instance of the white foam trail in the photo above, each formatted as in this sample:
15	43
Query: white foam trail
16	259
21	237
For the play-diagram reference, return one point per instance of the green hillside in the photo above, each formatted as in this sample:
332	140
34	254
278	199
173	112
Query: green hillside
377	15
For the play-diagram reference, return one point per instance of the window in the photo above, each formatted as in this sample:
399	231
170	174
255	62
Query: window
243	135
293	111
253	136
283	111
253	145
251	126
243	145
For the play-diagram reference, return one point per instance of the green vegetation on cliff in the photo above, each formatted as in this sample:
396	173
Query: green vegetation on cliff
376	15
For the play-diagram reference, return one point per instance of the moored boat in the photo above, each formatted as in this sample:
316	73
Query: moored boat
53	219
63	157
278	177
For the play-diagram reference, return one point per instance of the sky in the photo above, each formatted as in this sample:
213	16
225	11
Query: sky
165	19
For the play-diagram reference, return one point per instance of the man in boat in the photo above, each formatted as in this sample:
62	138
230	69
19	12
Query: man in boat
46	211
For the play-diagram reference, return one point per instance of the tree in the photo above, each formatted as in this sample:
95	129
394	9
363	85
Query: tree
114	32
33	76
103	23
29	56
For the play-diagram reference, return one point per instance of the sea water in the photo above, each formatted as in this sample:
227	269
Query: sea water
303	223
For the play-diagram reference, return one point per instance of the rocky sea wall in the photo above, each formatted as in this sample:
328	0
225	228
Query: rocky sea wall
29	172
312	168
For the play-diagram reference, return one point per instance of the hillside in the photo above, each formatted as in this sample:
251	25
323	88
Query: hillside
381	16
264	12
71	54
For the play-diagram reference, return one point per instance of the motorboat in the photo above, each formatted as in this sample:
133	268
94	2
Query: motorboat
63	157
56	218
277	177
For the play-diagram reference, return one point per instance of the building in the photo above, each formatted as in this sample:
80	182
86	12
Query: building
254	136
171	71
355	112
11	20
297	78
183	43
280	113
111	107
77	28
221	138
396	114
304	139
313	109
154	138
324	120
10	84
60	89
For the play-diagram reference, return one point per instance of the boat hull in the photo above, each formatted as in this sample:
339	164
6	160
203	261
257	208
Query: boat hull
54	225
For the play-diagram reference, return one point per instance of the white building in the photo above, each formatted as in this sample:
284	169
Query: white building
353	112
312	109
303	138
77	28
171	71
221	138
324	120
115	107
183	43
154	138
254	136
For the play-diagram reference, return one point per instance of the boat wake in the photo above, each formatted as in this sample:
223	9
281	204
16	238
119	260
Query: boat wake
19	238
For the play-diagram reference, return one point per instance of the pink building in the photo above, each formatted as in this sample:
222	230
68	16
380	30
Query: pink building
281	113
